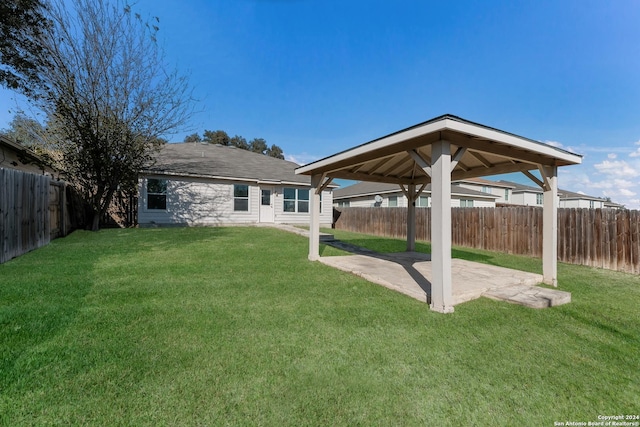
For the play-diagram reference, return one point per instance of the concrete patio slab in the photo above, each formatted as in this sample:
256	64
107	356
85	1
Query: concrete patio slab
410	273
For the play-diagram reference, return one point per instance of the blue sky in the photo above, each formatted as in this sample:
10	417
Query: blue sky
318	77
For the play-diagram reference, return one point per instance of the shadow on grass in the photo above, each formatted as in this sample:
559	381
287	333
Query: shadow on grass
474	256
390	245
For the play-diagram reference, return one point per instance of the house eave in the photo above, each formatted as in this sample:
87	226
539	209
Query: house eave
151	172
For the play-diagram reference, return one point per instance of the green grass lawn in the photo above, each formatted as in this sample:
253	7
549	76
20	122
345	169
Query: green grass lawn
233	326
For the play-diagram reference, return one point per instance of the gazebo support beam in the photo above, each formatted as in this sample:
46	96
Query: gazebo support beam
411	218
441	288
314	222
550	225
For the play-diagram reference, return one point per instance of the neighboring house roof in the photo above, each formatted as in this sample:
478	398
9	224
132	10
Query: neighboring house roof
570	195
520	188
562	194
217	161
482	181
373	188
24	155
613	205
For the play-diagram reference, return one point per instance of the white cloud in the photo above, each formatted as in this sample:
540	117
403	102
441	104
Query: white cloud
636	152
617	179
302	158
612	156
554	144
617	168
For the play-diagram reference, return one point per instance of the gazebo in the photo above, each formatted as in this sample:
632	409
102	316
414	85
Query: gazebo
439	151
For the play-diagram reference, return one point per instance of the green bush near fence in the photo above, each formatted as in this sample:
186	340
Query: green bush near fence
234	326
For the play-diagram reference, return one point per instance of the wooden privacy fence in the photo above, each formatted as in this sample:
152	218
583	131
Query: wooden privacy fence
603	238
32	212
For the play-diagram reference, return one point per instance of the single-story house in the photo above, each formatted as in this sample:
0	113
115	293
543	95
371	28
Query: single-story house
376	194
210	184
16	156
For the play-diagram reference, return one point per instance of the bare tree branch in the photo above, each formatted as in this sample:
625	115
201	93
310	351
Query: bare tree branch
103	81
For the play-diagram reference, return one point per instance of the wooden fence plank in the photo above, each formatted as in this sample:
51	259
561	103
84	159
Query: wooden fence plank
602	238
24	212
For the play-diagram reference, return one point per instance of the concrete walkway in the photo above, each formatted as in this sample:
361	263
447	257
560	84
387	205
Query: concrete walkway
410	273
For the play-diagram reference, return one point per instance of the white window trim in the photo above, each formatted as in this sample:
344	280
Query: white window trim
248	198
296	201
147	194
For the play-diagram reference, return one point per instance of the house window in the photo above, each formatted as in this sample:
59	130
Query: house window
157	194
506	194
393	201
344	204
485	189
592	204
466	203
241	198
296	200
422	202
538	199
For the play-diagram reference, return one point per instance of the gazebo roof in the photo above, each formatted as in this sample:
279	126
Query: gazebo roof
404	157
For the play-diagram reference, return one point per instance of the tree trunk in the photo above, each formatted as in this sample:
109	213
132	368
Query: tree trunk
95	223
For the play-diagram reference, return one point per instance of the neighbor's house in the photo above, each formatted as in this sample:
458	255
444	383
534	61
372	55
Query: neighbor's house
207	184
372	194
503	190
16	156
533	196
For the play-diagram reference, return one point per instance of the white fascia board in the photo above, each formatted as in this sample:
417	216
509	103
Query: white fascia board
508	139
146	173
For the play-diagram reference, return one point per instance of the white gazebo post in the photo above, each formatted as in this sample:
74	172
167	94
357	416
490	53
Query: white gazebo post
314	218
411	218
441	290
550	225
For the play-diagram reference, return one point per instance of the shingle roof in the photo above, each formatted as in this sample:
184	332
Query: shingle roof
519	188
482	181
372	188
562	194
217	161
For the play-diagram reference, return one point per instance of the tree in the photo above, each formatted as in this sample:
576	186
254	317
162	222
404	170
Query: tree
239	142
21	25
216	137
26	131
258	145
194	137
100	76
275	151
33	135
